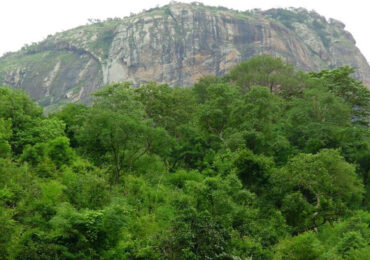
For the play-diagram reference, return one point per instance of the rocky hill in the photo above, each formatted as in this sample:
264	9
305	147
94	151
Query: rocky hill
176	44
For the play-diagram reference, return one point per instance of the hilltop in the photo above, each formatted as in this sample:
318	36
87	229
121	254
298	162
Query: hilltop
175	44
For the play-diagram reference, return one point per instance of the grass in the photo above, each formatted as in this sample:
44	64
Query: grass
24	60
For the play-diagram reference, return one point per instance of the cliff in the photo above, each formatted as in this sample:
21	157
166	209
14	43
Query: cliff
176	44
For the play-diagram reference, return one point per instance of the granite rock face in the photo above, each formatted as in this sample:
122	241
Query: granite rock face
175	44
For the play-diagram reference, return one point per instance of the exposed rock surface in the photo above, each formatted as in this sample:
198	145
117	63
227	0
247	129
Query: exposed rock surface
176	44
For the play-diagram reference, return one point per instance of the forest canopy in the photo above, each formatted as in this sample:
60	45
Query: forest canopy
263	163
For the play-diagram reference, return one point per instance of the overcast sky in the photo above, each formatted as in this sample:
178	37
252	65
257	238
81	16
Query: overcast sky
26	21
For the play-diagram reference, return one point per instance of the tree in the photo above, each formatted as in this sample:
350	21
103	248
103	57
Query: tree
60	152
256	119
115	129
168	107
316	120
42	130
190	149
214	114
6	233
71	115
258	110
5	134
253	170
73	234
17	108
200	89
197	235
339	82
273	73
324	185
305	246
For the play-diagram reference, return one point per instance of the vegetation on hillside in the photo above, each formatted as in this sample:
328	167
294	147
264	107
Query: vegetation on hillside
264	163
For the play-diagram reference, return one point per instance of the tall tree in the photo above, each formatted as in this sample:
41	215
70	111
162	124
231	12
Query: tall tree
317	120
317	188
340	82
116	129
18	108
274	73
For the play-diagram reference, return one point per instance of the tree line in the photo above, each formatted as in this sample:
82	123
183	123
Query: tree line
264	163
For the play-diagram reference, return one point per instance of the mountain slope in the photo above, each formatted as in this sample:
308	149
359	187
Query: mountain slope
176	44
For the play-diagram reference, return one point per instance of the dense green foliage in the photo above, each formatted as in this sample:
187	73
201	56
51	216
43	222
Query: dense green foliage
264	163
